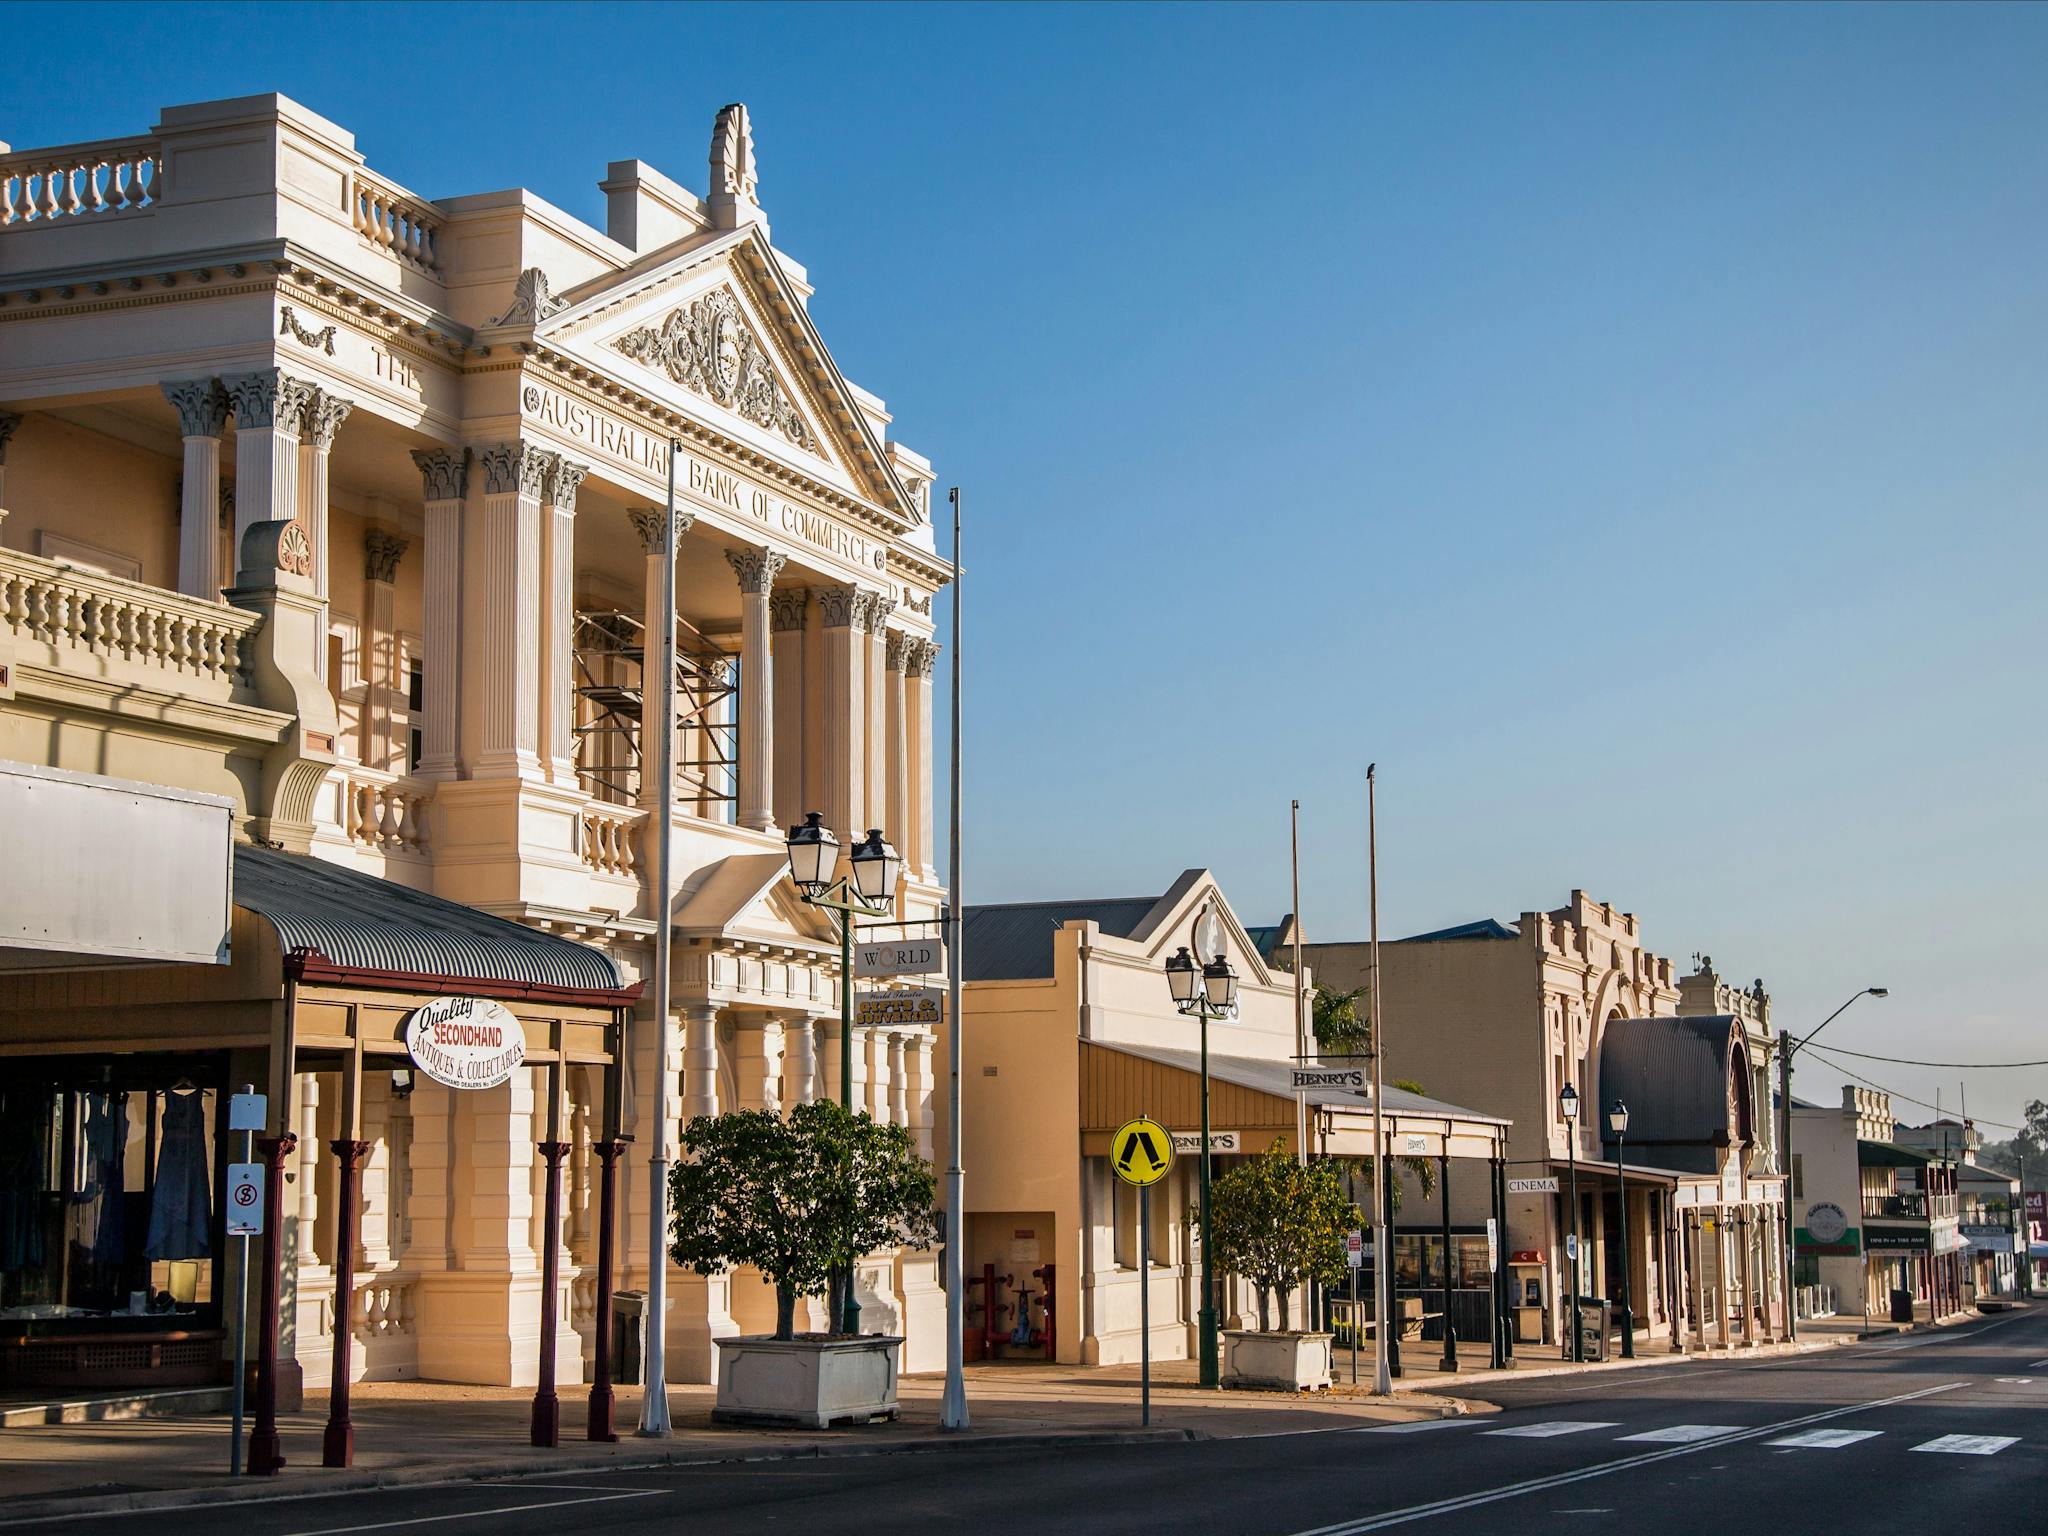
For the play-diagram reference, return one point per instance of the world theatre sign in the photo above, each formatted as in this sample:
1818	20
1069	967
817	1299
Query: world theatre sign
699	479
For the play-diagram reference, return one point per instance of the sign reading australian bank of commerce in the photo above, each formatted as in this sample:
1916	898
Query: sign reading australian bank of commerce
465	1042
700	479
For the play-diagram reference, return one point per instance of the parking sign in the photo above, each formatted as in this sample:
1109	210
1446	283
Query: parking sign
245	1199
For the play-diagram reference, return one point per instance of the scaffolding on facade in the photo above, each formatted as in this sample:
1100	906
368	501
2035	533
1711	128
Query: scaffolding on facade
610	657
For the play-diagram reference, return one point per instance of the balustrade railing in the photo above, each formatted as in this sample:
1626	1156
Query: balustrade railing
394	220
382	810
114	176
382	1306
1907	1206
61	606
611	839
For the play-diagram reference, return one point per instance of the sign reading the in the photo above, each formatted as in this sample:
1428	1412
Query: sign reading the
1191	1141
1543	1186
914	1005
465	1042
1141	1151
901	957
244	1205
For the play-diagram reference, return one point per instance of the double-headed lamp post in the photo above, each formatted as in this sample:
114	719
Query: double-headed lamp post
1568	1106
868	890
1617	1122
1208	992
1787	1049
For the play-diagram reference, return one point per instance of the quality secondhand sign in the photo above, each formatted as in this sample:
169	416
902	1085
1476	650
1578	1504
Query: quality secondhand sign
465	1042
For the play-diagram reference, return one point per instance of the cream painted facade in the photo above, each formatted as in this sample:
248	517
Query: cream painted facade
227	343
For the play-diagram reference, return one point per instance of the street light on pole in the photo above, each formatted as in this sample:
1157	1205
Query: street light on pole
1617	1122
1568	1106
1787	1049
1207	993
865	891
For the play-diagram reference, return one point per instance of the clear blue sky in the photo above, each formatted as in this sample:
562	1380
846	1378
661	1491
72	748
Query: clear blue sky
1626	425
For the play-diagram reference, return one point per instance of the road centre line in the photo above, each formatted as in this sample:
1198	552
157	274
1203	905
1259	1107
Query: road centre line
1584	1474
479	1514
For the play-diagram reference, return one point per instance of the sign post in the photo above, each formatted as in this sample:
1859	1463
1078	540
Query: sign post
244	1213
1141	1152
1354	1260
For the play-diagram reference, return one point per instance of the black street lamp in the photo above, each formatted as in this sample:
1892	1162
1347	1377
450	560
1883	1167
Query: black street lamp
1617	1122
1207	993
1568	1106
867	890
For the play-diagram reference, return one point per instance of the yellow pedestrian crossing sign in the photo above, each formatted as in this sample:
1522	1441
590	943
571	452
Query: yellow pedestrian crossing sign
1141	1151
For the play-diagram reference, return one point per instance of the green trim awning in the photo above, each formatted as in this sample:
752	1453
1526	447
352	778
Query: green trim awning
1887	1154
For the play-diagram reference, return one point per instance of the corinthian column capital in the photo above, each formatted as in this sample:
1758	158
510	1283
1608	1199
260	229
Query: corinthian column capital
324	414
515	468
444	472
647	522
563	479
842	607
269	397
201	404
786	608
878	611
756	568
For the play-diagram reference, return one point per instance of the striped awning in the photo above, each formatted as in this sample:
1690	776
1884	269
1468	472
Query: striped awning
345	921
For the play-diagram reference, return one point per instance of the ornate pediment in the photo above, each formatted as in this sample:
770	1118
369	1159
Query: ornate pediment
708	347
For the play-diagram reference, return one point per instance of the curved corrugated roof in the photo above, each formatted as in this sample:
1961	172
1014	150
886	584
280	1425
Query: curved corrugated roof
359	922
1674	1076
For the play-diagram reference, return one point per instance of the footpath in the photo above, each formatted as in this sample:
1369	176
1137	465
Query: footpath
423	1432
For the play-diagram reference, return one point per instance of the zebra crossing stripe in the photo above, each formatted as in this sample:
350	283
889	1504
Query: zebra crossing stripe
1552	1428
1825	1439
1969	1445
1683	1434
1413	1426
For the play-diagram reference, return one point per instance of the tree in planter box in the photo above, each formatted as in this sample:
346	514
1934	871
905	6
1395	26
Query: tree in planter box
1279	1224
798	1198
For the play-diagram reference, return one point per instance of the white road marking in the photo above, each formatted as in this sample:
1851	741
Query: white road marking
1412	1427
477	1514
1542	1484
1554	1427
1969	1445
2031	1364
2015	1381
1825	1439
1684	1434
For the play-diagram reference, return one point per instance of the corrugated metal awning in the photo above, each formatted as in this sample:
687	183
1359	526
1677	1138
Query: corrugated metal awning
343	920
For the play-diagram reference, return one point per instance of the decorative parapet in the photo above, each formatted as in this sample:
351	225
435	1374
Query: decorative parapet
142	626
383	810
110	176
392	219
611	839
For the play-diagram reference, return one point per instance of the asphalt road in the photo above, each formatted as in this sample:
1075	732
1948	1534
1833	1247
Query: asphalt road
1943	1431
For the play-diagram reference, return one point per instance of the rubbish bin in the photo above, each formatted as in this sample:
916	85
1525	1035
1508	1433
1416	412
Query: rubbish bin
1902	1305
1595	1323
629	1338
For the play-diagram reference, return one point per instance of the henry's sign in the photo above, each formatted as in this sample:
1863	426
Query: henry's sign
899	957
465	1042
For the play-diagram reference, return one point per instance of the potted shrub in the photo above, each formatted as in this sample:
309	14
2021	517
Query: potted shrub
800	1199
1279	1224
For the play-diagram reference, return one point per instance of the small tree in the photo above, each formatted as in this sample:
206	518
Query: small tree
1340	1028
1279	1224
797	1198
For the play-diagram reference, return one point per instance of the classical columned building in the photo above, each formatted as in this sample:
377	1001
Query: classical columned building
342	506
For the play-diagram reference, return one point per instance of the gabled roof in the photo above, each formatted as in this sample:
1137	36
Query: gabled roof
747	895
1013	941
357	922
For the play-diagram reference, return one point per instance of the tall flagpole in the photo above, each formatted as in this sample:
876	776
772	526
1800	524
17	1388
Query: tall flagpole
654	1418
1300	1015
953	1407
1382	1261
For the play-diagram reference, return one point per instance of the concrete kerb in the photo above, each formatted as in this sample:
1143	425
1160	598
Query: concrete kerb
264	1490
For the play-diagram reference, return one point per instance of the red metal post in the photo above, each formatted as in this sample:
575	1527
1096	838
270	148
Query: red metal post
338	1444
547	1408
601	1364
266	1451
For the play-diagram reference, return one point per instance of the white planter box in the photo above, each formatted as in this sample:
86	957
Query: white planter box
1285	1362
813	1383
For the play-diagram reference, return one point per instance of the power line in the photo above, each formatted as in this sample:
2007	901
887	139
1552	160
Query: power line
1998	1125
1959	1066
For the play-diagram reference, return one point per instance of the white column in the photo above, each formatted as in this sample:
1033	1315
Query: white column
8	422
774	1043
381	746
700	1060
860	1097
444	474
877	1053
309	1168
923	1090
756	570
899	1080
324	414
828	1061
508	592
921	664
876	767
202	408
901	830
269	405
786	626
647	522
800	1061
844	611
558	703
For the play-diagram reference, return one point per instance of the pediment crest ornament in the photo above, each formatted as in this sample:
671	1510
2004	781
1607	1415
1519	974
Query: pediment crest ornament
707	347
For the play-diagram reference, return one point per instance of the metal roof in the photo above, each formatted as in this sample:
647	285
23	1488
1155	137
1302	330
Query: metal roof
359	922
1674	1076
1482	928
1013	941
1277	1078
